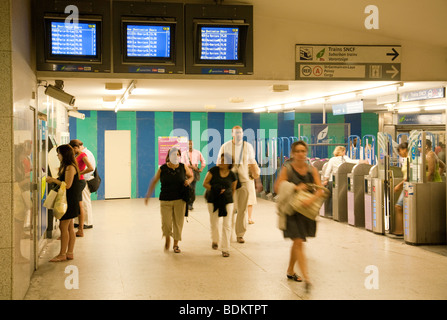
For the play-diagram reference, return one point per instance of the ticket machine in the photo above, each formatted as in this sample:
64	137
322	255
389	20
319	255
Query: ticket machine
356	194
339	192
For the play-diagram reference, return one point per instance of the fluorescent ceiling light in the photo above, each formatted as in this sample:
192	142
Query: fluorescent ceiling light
380	90
260	110
439	107
274	108
314	101
344	96
409	110
292	105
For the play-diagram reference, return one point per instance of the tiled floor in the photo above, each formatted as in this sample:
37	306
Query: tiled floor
122	257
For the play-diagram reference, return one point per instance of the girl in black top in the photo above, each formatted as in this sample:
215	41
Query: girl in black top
69	173
174	177
220	183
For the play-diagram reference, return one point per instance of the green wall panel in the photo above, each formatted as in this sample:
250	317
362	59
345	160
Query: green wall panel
269	123
231	119
302	118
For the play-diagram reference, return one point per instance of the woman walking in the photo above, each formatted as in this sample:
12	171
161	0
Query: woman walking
68	173
220	183
174	177
299	227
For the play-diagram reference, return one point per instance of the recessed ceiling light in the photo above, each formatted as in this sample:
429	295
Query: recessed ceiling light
114	86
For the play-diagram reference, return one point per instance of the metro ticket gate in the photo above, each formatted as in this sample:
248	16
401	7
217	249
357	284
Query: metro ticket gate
424	213
383	199
356	194
339	192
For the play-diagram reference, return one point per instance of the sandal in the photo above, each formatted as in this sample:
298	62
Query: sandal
69	256
214	246
176	249
225	254
294	277
59	258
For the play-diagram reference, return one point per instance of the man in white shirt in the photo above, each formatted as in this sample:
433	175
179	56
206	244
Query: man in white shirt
244	165
192	158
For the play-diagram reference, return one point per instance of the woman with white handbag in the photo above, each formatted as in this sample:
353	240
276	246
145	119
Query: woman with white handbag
298	226
68	173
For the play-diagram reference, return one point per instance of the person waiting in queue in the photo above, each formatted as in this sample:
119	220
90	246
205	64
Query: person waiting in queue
69	173
174	176
435	167
402	149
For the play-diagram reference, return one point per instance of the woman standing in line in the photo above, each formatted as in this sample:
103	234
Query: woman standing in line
69	173
220	183
174	177
84	166
299	227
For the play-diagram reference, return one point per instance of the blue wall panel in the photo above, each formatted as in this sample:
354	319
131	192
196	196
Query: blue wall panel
145	155
106	121
216	129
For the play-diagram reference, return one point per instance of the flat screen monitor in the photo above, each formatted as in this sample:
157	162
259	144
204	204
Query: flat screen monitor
148	42
220	43
72	42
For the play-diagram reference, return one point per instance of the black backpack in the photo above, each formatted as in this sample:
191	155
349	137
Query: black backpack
93	184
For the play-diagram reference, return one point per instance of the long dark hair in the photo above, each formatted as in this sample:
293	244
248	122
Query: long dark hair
68	158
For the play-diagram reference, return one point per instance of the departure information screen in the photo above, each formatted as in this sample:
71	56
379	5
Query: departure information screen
148	41
219	43
73	39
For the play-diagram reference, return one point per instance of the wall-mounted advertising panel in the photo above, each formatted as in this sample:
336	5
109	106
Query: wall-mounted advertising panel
219	39
148	37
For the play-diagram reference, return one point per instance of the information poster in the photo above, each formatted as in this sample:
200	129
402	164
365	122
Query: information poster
166	143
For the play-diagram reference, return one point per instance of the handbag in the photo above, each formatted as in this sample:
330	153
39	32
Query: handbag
51	198
60	204
313	209
196	175
93	184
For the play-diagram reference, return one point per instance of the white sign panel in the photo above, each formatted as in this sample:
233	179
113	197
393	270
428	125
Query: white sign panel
347	62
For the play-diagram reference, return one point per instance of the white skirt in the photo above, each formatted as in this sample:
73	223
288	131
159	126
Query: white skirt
251	192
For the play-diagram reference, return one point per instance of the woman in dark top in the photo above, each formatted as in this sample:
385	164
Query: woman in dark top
174	177
220	183
299	172
69	173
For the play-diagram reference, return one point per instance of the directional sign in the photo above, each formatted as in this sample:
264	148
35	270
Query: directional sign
348	62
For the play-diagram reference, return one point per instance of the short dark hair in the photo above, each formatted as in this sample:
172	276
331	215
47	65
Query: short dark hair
300	142
427	143
403	145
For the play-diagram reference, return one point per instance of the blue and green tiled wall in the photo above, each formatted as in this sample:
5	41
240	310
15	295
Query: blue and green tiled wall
203	128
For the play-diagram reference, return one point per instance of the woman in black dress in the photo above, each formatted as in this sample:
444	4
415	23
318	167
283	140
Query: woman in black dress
299	172
69	173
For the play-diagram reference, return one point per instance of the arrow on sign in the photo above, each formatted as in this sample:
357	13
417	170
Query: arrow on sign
394	53
394	71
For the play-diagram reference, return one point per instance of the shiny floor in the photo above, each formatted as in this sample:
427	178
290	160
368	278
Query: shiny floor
122	257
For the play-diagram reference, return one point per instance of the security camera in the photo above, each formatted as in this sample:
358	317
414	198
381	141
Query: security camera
59	94
76	114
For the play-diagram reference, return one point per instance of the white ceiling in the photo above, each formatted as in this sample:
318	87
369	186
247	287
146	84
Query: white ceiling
191	95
